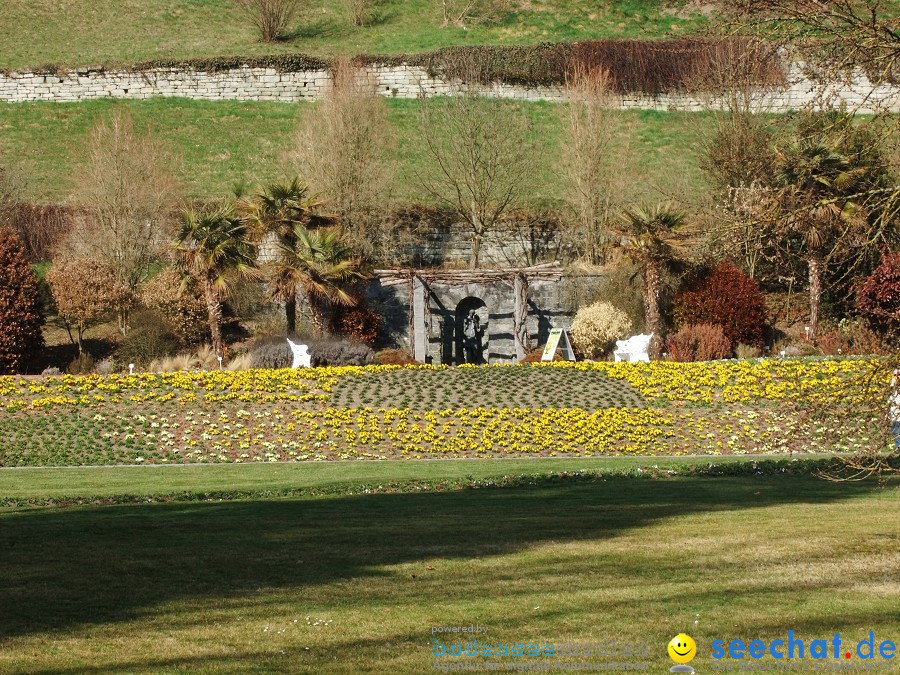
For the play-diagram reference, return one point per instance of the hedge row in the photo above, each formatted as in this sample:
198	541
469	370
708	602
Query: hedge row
648	66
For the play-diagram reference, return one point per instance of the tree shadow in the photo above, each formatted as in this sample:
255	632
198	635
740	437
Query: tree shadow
72	566
316	28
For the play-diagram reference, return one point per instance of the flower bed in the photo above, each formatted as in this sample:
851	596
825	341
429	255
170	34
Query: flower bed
729	407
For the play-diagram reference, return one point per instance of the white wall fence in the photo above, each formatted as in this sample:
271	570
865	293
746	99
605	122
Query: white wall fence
401	81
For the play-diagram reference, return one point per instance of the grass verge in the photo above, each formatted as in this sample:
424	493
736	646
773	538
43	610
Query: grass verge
123	484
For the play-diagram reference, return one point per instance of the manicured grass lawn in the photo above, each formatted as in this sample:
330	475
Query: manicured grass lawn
218	143
80	32
332	477
355	583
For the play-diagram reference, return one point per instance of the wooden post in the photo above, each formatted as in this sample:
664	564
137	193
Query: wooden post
418	341
520	315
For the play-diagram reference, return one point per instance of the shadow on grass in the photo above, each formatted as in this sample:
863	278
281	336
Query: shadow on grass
64	567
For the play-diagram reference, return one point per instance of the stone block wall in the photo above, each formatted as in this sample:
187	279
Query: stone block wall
401	81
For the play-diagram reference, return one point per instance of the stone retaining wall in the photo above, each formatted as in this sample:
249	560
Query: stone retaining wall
400	81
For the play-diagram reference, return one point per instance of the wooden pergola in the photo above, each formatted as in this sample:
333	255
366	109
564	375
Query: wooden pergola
420	281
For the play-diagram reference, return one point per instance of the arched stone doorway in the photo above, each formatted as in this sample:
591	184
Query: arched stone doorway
470	331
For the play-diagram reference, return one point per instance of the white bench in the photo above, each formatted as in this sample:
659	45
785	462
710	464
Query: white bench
635	348
302	357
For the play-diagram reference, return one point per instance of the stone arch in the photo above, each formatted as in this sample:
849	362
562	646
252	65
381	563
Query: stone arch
471	348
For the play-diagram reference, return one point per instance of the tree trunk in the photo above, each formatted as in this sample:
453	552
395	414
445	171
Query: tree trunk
214	313
816	269
290	313
652	288
475	257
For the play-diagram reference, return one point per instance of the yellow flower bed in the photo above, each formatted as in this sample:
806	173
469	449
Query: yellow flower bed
287	415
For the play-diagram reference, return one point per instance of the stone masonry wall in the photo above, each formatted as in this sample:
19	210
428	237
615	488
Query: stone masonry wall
402	81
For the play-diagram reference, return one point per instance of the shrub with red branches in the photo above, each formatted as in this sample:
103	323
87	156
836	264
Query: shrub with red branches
878	295
726	297
21	317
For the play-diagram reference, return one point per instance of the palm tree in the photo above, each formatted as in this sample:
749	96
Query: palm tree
276	210
322	265
819	196
214	247
653	240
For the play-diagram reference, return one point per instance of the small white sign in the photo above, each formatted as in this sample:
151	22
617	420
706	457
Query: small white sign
559	339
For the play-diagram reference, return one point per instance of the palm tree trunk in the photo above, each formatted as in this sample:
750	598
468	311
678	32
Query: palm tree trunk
214	314
652	288
290	312
816	265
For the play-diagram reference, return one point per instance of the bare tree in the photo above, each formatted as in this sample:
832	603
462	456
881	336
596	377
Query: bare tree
481	152
596	153
342	148
128	195
459	12
359	12
270	17
843	34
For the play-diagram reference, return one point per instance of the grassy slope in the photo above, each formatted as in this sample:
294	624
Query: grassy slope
221	142
350	584
77	32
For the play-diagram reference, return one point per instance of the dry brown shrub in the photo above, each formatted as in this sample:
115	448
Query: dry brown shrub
702	342
86	293
271	18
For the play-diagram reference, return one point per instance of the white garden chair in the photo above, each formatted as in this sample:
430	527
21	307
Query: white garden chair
635	348
302	357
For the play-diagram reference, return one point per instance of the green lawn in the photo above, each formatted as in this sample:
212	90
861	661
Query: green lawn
355	583
218	143
79	32
38	485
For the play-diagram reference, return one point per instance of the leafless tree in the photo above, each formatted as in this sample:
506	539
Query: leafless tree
460	12
596	154
270	17
129	197
343	148
843	34
481	153
359	12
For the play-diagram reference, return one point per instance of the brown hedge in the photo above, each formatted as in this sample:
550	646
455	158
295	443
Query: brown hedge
648	66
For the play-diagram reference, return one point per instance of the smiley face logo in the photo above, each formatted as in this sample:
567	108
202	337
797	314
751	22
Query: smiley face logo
682	648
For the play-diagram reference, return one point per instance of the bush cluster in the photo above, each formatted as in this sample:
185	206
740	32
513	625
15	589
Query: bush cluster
597	327
183	310
878	295
150	338
702	342
21	317
726	297
360	323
